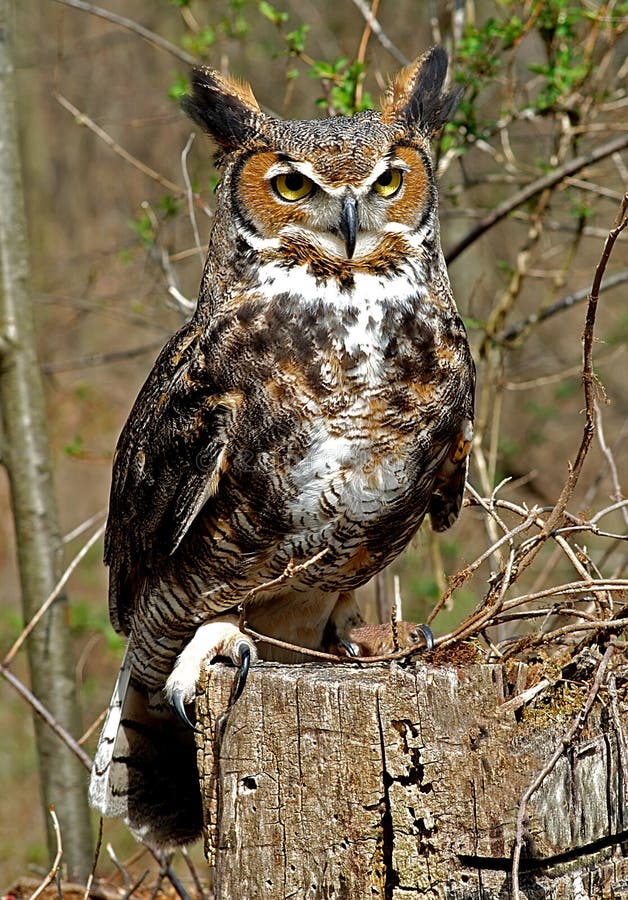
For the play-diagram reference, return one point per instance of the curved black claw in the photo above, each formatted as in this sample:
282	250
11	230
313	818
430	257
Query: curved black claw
349	647
243	671
178	705
428	635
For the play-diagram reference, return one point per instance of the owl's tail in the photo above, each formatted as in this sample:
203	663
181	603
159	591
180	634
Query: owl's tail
145	768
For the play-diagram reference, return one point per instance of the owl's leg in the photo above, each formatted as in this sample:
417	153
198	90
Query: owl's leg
344	617
217	638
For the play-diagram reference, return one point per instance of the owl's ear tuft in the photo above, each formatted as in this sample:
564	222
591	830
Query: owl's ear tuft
415	98
223	106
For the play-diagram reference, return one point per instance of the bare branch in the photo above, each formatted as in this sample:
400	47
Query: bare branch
190	193
534	188
78	531
83	119
156	39
57	860
378	31
48	718
92	873
588	380
612	465
559	306
52	596
100	359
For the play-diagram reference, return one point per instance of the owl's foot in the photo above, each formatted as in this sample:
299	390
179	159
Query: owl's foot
218	639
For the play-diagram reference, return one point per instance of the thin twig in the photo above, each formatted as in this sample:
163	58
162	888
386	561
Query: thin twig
114	859
99	359
364	40
378	31
156	39
136	884
460	577
588	381
331	657
43	609
192	870
562	745
57	860
92	873
84	526
612	466
190	193
564	303
534	188
48	718
92	728
83	119
289	572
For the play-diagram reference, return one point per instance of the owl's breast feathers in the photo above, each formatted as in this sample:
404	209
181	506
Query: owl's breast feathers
293	421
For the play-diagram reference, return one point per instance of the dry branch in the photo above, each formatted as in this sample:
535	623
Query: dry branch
536	187
150	36
57	860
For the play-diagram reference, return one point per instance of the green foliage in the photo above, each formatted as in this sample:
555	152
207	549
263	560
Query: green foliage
341	79
169	205
234	24
179	87
480	56
75	447
144	229
562	74
295	41
200	42
273	15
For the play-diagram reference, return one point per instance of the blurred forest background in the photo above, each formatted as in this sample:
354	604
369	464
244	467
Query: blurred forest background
111	172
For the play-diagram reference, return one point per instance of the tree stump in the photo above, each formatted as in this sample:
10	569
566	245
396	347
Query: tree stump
395	782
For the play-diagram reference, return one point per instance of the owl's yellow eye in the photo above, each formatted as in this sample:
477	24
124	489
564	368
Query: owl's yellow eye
293	186
388	183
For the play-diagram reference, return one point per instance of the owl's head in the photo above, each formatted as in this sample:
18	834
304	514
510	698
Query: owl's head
342	184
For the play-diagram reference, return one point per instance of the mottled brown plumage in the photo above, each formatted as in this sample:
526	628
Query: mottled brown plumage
320	398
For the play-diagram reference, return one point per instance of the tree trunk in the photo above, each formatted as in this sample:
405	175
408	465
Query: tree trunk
26	455
398	782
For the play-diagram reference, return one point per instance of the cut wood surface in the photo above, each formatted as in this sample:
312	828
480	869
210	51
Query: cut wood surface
405	781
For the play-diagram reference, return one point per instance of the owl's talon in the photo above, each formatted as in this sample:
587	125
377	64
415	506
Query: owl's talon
178	704
244	652
350	647
428	635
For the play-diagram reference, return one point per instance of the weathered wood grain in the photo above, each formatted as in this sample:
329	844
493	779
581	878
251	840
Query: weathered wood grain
396	782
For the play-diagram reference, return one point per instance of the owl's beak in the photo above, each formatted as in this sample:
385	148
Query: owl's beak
348	225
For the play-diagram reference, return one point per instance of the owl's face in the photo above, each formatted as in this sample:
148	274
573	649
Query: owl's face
342	185
330	199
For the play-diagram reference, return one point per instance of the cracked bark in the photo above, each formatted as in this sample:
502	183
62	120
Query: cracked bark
392	783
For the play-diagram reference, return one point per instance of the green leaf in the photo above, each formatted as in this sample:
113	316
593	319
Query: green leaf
179	87
273	15
75	447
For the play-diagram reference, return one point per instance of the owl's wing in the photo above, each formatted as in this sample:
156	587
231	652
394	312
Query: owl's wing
448	490
167	466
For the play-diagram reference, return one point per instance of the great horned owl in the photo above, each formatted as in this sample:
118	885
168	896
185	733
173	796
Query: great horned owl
320	399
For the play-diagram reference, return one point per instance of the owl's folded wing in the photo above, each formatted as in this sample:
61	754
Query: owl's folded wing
448	490
167	466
